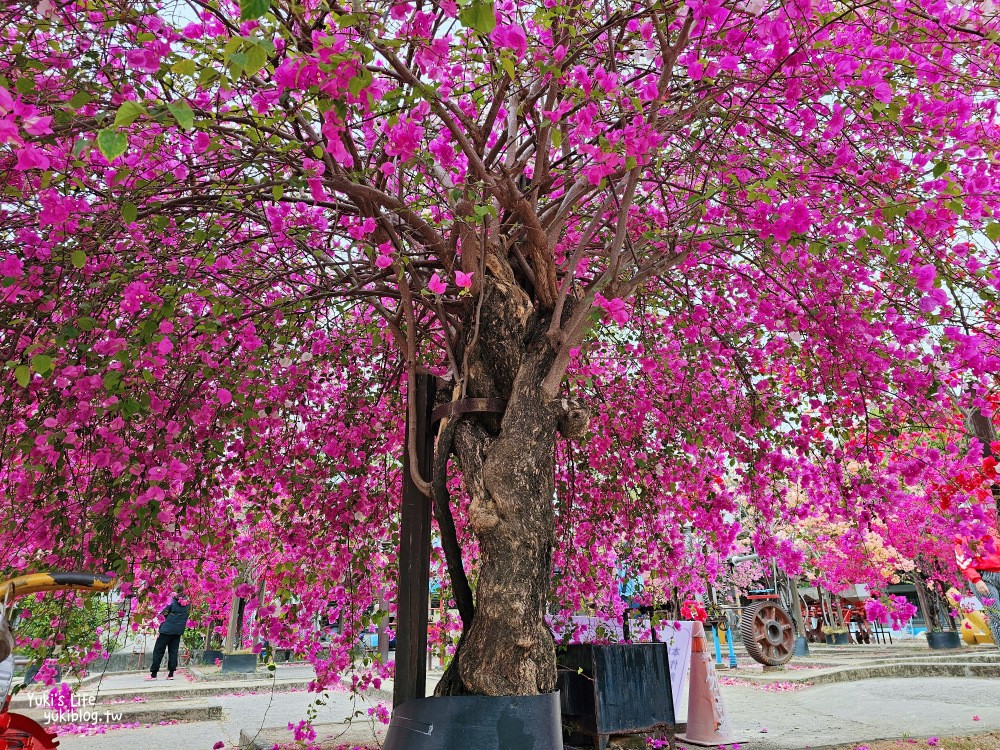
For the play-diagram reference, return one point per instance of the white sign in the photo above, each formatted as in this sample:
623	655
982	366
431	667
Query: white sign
677	636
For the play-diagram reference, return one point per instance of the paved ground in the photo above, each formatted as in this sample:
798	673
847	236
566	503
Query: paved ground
811	717
240	713
794	717
862	711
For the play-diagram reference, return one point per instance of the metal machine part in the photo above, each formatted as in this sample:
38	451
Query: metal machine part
768	633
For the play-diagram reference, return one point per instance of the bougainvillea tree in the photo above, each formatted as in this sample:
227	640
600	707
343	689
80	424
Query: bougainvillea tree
695	249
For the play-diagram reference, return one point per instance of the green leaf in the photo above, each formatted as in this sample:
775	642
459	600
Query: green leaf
479	16
940	168
508	66
874	230
128	113
23	375
112	379
86	324
129	212
277	192
181	111
184	67
256	59
79	99
250	9
237	61
78	258
111	144
993	231
360	82
41	363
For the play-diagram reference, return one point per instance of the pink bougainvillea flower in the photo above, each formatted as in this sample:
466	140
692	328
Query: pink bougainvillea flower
925	276
11	266
224	396
616	308
933	741
31	157
383	261
143	59
464	280
436	285
38	125
8	130
510	37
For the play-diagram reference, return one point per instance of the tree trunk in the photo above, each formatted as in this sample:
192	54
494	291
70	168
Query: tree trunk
796	604
925	610
509	649
981	425
509	473
232	626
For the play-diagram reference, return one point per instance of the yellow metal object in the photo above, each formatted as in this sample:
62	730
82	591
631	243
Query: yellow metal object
35	583
974	629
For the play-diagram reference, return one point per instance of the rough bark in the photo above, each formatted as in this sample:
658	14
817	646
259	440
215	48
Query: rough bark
509	650
981	425
925	609
507	467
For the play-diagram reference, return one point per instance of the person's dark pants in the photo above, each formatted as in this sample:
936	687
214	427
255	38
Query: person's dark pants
992	580
165	642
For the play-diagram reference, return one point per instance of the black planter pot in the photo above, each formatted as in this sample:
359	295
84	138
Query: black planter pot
209	657
621	688
245	663
947	639
801	646
464	722
838	639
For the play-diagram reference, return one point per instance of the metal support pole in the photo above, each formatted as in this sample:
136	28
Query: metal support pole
414	558
732	652
383	630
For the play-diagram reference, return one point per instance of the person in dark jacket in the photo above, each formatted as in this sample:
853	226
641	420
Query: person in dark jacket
175	617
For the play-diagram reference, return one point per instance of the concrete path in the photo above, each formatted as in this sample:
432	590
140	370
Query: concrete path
125	685
811	717
240	713
795	716
862	711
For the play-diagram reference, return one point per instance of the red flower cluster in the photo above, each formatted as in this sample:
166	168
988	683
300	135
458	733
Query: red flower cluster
693	610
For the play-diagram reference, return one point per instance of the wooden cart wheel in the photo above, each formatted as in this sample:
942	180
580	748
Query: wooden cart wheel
768	634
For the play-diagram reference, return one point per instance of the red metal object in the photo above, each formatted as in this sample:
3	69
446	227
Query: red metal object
24	733
20	732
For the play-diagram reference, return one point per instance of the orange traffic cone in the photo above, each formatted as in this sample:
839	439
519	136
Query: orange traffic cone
707	723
